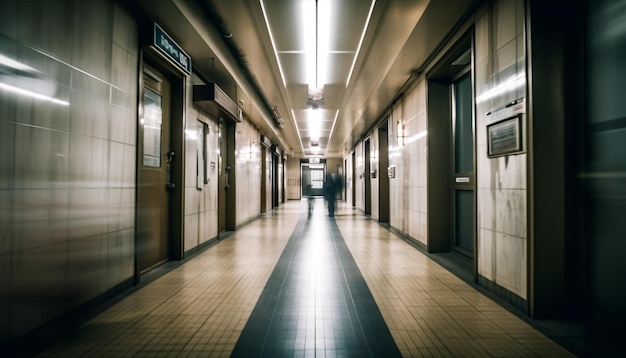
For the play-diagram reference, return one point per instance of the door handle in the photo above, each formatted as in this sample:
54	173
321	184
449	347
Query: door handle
169	185
227	178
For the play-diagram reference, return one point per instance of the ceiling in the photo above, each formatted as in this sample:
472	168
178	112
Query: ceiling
254	50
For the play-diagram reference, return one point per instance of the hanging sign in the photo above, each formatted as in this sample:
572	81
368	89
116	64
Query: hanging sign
168	47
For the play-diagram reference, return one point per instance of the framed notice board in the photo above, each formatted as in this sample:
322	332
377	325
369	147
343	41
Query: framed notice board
505	137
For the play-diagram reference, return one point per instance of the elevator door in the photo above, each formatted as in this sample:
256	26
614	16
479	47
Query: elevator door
153	163
463	178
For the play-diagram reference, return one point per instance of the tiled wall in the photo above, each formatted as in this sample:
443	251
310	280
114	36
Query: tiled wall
200	200
408	153
267	204
248	172
501	181
67	188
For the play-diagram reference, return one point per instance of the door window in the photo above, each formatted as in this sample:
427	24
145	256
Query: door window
152	123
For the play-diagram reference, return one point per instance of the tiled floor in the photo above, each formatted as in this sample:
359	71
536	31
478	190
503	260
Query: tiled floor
202	307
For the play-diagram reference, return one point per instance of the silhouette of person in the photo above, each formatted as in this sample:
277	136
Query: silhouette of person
330	193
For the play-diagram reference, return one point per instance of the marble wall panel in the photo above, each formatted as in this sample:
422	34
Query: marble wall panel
8	25
39	113
87	213
248	172
192	200
66	184
6	220
86	269
120	256
121	209
486	253
39	218
125	32
89	116
123	127
42	17
89	162
122	165
92	50
191	231
7	138
511	212
501	181
511	263
5	292
505	25
37	286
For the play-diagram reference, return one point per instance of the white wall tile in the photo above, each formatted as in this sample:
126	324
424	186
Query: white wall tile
6	220
511	212
38	274
5	292
121	209
505	26
511	264
40	217
486	263
7	138
87	213
120	256
191	231
8	25
86	269
122	165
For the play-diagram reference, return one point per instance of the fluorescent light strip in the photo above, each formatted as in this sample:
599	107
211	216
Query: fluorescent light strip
31	94
315	124
358	50
323	38
267	23
309	40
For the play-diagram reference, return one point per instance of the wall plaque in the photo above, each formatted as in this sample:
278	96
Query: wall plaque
504	137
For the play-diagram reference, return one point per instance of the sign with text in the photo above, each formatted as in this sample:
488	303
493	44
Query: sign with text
504	137
168	47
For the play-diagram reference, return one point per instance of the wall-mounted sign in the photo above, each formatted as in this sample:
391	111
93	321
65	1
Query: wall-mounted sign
314	160
504	137
168	47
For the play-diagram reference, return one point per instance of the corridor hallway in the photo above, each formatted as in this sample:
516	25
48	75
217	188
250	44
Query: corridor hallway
294	285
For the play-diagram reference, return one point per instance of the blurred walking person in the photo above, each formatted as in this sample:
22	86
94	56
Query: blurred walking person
330	194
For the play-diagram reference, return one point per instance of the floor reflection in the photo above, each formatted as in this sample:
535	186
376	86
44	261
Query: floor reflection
316	302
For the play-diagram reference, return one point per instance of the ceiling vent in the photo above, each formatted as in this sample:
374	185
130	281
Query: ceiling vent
213	99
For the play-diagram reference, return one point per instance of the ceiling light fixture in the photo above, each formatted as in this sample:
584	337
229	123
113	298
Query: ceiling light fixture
316	15
269	30
315	123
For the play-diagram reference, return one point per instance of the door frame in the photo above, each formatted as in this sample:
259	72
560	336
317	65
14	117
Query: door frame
227	190
440	174
455	183
384	215
177	82
367	182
